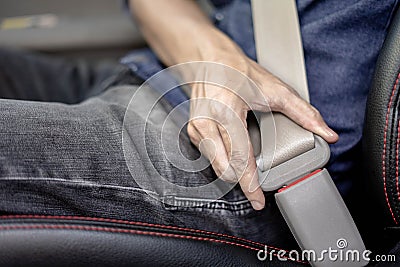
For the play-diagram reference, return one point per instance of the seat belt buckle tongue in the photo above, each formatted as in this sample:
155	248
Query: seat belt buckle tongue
320	222
292	169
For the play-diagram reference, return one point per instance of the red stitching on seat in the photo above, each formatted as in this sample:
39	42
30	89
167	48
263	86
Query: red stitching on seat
384	147
63	217
131	231
397	160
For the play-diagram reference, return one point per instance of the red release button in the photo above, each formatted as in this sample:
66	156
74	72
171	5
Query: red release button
300	180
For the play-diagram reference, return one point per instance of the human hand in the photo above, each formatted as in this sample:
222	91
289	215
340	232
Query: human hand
183	33
218	121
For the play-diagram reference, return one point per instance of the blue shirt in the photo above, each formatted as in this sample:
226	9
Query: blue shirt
341	40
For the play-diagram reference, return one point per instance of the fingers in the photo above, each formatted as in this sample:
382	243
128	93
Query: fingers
281	97
232	161
306	116
244	165
218	126
206	136
241	158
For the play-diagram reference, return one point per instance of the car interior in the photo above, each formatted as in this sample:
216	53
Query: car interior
98	30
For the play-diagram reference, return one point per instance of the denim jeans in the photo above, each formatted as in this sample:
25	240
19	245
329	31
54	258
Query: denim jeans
341	41
61	153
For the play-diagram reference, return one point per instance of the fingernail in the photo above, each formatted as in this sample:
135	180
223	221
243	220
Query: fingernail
329	132
257	205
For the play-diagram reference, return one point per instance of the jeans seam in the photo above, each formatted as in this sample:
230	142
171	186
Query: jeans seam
224	204
61	180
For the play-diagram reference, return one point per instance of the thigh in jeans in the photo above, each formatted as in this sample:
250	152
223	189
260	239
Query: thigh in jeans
31	76
60	159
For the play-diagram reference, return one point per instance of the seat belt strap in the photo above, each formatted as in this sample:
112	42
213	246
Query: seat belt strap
279	49
310	203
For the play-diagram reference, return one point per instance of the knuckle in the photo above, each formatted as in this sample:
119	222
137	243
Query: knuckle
314	119
279	103
191	131
239	160
190	128
227	176
281	98
217	108
200	124
315	113
194	140
228	179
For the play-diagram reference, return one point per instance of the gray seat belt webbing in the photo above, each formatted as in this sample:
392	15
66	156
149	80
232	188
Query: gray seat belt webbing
312	206
280	50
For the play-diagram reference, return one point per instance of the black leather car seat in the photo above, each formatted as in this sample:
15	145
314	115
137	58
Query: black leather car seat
381	138
35	240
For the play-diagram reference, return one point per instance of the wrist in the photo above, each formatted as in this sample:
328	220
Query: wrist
209	44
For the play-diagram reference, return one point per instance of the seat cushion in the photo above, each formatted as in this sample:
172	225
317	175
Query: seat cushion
35	240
